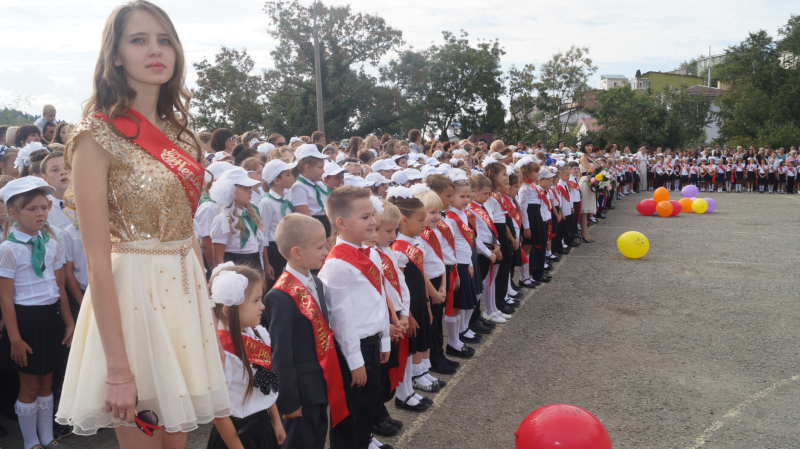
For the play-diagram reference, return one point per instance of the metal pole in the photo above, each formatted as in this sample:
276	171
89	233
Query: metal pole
318	75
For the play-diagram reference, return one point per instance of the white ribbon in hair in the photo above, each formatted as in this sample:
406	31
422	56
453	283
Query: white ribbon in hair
221	267
223	192
399	192
488	160
228	288
457	174
377	204
416	189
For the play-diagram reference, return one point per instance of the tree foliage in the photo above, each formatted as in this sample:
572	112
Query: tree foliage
561	83
761	104
524	116
227	95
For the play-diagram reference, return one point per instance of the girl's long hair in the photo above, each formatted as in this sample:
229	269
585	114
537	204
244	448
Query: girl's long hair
111	94
232	320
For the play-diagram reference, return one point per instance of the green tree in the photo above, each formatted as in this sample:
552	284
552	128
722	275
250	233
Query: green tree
561	83
761	102
524	116
227	95
353	102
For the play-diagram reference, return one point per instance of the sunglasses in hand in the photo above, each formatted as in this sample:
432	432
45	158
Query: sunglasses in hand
146	420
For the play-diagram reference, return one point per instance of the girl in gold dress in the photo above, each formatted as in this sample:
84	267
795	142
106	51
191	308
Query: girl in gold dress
145	338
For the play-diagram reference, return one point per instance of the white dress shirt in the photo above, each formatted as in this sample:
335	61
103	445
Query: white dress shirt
56	217
236	379
271	213
256	193
303	195
485	236
76	255
204	217
432	264
495	210
399	301
355	309
448	252
222	233
574	194
463	247
16	264
565	200
525	196
544	210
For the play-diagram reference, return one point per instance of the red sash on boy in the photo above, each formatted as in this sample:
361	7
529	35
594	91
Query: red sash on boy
326	352
481	212
413	253
257	352
466	231
358	258
395	374
151	139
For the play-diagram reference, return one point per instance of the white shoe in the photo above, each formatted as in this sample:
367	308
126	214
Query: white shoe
503	316
494	318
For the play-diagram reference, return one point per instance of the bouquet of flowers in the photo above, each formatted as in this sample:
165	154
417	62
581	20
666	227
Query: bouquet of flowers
600	182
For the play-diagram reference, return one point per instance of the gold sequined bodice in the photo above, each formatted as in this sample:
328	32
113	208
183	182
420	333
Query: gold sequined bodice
145	199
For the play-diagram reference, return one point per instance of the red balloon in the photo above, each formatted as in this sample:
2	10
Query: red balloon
676	207
646	207
561	426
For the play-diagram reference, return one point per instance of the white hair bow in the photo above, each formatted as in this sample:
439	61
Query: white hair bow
399	192
228	288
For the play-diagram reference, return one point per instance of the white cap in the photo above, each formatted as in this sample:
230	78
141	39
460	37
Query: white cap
413	174
399	156
294	139
221	155
429	170
333	169
308	150
253	141
382	164
432	162
399	178
545	173
437	154
274	168
23	185
377	179
340	157
238	176
217	169
264	148
358	181
413	163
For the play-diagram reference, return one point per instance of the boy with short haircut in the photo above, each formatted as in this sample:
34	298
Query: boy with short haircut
296	316
48	115
275	205
358	312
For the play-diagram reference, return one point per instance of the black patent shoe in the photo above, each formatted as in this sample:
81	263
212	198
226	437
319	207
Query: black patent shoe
420	407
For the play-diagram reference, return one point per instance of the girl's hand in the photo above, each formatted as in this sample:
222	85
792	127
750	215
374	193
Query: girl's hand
437	298
493	258
471	272
120	399
526	233
457	285
19	353
269	272
280	432
403	323
412	326
68	333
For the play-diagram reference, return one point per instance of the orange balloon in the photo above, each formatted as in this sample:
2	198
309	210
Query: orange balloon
664	209
686	204
661	194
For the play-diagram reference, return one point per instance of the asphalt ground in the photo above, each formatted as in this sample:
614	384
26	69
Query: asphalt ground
694	345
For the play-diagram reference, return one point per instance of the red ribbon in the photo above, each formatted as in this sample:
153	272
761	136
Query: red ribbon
448	307
396	375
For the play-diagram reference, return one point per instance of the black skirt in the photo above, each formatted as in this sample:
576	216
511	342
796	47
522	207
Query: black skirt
255	432
252	260
485	266
41	328
464	297
538	227
516	254
693	179
505	245
423	340
739	175
415	282
751	176
781	178
325	222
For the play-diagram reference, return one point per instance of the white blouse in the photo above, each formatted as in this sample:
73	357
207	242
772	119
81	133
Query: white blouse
303	195
56	217
271	215
463	248
204	217
401	301
76	255
433	265
16	264
236	379
222	233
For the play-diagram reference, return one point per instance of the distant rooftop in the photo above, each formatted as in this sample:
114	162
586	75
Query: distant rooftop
602	77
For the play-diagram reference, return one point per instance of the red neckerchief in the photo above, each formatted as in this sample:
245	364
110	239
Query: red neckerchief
413	253
447	233
513	211
479	211
323	341
390	273
466	231
258	352
151	139
358	259
429	236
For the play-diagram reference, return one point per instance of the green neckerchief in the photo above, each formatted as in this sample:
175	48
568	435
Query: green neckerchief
317	189
285	204
204	198
38	253
248	224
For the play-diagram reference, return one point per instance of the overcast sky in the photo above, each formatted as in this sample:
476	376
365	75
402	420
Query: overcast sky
50	47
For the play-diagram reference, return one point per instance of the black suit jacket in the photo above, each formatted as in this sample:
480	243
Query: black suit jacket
294	354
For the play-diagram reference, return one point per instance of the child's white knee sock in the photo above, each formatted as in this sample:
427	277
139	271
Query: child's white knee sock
452	324
27	414
44	420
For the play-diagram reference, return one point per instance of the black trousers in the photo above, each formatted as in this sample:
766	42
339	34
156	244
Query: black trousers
536	257
563	230
309	430
355	431
437	328
576	214
790	184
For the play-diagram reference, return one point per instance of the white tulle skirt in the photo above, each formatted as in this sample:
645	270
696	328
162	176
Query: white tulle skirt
169	337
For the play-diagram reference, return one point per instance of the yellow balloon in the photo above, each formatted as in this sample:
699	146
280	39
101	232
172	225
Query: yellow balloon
598	177
633	245
699	206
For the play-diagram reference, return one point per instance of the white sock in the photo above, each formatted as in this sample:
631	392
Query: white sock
469	334
44	420
524	273
464	319
430	378
418	370
375	444
489	306
404	388
548	253
451	323
27	414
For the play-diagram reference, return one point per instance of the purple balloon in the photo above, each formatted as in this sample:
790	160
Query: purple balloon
689	191
711	205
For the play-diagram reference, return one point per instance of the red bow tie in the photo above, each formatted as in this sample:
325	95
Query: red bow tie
365	251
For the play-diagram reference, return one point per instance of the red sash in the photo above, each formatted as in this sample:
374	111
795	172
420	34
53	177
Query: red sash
390	273
563	192
542	194
358	259
466	231
513	211
326	352
447	233
429	236
479	211
573	185
471	219
413	253
257	352
499	198
152	140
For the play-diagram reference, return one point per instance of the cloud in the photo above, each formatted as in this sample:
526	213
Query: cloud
623	35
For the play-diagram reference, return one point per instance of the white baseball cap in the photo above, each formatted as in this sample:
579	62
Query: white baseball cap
377	178
217	169
308	150
23	185
382	164
238	176
399	178
274	168
545	173
253	141
358	181
333	169
264	148
432	162
413	174
399	156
